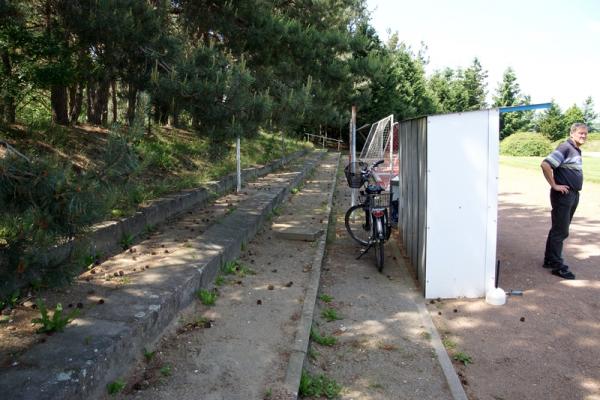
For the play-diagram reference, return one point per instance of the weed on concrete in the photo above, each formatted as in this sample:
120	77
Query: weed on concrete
330	314
316	337
318	386
207	297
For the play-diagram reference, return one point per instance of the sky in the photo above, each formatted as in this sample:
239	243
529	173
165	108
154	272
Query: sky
553	46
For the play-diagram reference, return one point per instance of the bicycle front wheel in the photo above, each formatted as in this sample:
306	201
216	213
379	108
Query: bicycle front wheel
357	225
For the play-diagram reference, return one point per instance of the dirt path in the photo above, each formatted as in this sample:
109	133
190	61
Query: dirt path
383	350
545	344
239	347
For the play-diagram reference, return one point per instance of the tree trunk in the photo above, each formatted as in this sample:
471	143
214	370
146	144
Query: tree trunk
113	86
89	94
9	112
75	102
131	103
98	102
103	96
175	121
58	100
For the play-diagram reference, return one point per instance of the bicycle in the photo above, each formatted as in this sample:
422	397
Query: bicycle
368	222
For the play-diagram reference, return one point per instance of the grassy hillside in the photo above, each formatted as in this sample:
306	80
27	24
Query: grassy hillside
63	180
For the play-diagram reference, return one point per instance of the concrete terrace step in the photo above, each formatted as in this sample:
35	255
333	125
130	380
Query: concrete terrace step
106	340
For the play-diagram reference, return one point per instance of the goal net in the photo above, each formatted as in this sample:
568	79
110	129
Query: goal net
382	144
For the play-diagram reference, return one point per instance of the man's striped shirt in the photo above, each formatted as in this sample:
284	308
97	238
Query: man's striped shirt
567	165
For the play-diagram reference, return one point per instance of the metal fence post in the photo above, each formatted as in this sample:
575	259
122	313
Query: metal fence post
239	164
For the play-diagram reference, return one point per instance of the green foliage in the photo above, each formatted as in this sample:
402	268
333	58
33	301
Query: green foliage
207	297
317	386
590	116
325	298
460	90
55	324
316	337
508	93
463	358
572	115
10	300
149	355
219	280
552	124
126	241
236	268
448	344
166	370
526	144
115	387
42	200
330	314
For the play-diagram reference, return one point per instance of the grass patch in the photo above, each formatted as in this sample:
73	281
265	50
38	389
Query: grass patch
463	358
149	355
115	387
207	297
318	386
55	324
316	337
448	344
330	314
166	370
236	268
219	280
591	165
325	298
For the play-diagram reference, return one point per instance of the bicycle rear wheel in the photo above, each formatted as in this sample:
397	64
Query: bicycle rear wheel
356	224
379	254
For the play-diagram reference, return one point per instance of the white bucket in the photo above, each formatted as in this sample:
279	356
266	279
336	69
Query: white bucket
495	297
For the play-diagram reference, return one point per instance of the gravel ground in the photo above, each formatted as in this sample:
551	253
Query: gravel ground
545	344
383	349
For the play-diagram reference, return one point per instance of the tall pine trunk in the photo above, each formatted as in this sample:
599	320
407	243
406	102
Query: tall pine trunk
115	111
59	102
98	94
131	103
75	102
9	112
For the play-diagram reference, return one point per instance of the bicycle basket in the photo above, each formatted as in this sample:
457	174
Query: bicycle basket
353	172
381	200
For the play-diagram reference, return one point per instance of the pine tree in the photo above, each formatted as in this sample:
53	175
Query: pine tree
508	93
474	82
551	123
573	115
590	117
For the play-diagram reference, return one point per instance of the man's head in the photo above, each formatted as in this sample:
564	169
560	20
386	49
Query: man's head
579	132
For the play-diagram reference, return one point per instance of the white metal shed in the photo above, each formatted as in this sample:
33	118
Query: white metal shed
449	201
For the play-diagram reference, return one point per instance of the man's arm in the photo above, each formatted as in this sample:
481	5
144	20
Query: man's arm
549	175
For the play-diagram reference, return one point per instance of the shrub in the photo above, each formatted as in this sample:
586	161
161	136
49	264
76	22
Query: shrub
526	144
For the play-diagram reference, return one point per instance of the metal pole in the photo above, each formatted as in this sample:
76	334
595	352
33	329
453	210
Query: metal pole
239	164
353	148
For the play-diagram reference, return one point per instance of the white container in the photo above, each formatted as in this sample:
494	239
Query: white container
495	297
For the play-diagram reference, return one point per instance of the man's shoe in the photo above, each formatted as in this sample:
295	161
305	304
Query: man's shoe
563	273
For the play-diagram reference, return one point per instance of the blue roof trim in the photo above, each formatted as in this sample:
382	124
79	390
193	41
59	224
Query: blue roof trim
525	107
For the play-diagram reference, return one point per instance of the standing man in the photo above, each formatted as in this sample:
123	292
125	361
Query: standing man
563	171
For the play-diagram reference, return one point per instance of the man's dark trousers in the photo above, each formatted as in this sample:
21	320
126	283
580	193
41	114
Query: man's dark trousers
563	208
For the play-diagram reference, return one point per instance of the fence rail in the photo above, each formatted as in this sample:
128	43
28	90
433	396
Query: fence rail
324	140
